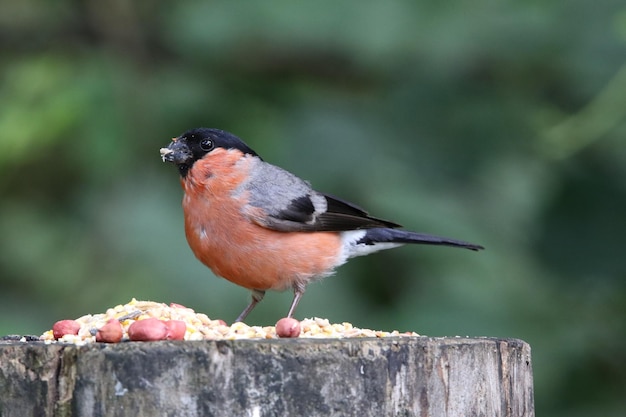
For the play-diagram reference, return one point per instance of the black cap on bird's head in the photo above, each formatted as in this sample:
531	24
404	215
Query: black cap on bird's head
194	144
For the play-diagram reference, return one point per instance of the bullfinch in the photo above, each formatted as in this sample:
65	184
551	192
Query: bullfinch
263	228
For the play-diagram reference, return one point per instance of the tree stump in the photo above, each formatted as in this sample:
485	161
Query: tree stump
411	376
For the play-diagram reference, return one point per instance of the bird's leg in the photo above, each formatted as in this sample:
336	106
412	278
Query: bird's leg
298	292
257	296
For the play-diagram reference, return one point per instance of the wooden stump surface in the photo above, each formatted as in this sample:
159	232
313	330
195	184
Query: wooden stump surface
416	376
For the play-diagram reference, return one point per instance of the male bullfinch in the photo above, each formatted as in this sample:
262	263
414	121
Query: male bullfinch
262	227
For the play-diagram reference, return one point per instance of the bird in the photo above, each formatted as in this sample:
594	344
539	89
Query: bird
264	228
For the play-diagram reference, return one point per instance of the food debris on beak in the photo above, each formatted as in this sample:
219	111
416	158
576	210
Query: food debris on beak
164	153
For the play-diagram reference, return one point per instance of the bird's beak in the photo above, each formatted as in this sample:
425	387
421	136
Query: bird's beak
177	152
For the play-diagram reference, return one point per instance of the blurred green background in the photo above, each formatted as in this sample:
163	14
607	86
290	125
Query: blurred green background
498	122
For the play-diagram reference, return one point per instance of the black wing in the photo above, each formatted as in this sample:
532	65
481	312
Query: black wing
303	214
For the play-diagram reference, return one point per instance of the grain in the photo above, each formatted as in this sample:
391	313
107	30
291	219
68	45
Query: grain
201	327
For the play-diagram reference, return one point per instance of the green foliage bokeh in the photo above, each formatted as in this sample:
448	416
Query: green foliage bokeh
501	123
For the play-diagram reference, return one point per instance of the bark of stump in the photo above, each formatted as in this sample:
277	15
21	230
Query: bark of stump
416	376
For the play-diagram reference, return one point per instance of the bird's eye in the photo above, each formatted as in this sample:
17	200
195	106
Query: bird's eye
207	145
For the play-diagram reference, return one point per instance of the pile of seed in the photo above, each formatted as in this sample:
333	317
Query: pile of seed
198	326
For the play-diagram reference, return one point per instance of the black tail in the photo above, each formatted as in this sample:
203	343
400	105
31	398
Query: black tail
382	234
